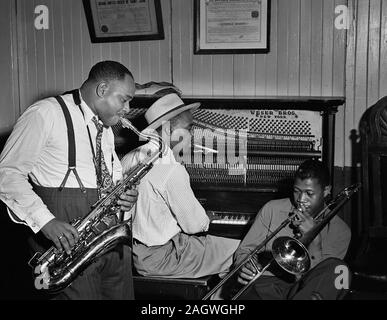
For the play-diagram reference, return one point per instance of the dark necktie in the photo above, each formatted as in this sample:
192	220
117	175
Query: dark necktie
104	179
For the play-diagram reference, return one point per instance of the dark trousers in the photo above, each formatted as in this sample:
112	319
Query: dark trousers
318	284
109	276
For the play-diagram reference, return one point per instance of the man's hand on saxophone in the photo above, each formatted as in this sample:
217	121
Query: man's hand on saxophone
62	234
65	236
128	199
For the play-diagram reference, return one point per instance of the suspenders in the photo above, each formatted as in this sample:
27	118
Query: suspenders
71	141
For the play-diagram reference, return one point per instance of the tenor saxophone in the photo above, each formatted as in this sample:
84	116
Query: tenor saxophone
55	270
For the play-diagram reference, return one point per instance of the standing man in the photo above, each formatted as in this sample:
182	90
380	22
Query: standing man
169	222
310	189
58	161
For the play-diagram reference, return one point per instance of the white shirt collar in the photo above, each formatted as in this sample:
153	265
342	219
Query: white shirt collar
87	112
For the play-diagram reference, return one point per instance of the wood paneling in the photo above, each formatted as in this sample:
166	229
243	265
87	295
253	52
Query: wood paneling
9	104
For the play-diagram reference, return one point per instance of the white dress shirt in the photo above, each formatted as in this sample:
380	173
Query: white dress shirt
38	149
166	204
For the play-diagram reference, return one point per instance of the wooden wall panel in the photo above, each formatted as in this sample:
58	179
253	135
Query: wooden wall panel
316	47
282	46
373	63
271	74
182	44
305	47
327	51
339	56
9	103
244	75
223	82
294	38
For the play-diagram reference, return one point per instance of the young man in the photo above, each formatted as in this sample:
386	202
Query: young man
58	161
168	218
311	187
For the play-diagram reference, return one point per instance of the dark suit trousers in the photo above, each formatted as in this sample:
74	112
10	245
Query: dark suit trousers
317	284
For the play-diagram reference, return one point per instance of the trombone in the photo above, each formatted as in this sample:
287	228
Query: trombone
290	254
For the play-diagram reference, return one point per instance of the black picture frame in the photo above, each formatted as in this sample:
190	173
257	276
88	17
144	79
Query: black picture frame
115	16
204	46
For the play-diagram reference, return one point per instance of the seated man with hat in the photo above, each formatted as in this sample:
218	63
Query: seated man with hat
169	221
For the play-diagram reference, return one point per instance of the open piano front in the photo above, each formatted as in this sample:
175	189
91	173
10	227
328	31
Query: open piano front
250	149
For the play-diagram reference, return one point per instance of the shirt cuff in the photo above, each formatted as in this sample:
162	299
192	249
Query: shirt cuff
39	219
206	224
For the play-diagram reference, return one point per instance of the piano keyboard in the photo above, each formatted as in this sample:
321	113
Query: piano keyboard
229	224
229	218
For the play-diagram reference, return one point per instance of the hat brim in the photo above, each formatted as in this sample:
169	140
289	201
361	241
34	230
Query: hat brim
171	114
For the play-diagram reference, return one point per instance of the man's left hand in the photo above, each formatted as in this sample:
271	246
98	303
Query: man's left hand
128	199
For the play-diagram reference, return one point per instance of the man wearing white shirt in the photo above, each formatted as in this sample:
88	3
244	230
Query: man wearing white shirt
169	221
50	173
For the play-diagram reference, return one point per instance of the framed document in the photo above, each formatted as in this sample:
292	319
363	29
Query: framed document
231	26
124	20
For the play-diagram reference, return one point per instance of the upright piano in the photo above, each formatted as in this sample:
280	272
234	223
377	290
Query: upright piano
251	147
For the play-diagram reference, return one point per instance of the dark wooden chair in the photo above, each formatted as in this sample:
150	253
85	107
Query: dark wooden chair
370	264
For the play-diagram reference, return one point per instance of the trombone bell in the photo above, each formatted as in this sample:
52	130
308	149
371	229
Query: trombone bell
291	255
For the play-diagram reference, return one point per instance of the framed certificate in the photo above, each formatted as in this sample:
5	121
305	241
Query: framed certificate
124	20
225	26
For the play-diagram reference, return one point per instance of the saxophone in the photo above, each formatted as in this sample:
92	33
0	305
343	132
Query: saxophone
55	270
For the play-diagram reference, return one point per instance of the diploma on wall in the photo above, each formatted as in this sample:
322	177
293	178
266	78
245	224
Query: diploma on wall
231	26
123	20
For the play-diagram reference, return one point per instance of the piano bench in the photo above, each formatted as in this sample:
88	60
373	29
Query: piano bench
159	288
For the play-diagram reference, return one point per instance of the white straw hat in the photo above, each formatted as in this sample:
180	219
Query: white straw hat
165	109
